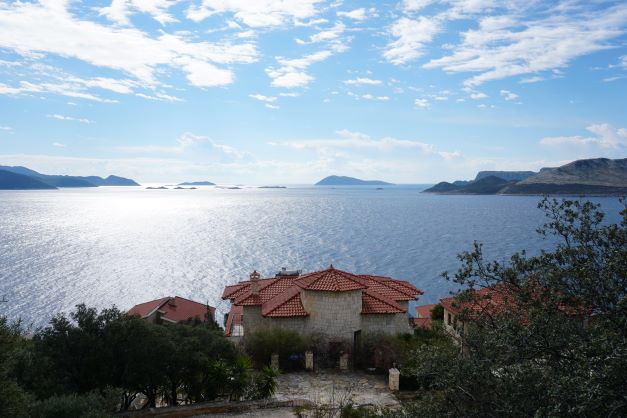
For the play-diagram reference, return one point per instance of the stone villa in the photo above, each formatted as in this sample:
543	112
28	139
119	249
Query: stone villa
331	303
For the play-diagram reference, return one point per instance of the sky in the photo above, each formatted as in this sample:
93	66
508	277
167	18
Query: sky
288	92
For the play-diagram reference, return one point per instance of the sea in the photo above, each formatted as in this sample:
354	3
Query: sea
126	245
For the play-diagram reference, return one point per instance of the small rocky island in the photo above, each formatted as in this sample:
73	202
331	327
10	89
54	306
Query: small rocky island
596	176
196	183
350	181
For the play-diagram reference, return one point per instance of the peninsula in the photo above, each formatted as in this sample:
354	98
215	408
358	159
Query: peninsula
596	176
22	178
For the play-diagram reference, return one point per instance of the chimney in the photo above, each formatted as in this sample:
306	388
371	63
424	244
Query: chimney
254	282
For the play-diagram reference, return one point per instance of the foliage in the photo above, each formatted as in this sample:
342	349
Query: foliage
559	348
13	399
260	345
437	313
90	352
383	351
265	382
90	405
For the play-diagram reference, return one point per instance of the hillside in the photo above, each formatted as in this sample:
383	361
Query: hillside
66	181
349	181
593	176
15	181
486	185
597	176
506	175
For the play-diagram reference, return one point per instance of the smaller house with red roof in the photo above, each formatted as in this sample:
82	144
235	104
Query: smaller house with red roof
173	309
423	316
330	303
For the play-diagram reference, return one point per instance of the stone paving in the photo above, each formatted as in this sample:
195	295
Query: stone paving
334	387
331	388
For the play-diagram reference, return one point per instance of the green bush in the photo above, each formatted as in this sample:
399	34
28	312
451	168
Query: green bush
265	382
260	345
90	405
437	313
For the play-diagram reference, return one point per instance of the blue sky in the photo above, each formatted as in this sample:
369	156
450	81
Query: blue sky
265	91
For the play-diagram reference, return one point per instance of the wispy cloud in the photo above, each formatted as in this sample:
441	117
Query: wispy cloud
262	98
69	118
258	13
605	136
363	81
50	28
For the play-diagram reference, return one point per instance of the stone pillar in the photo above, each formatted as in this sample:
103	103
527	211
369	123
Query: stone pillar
344	361
274	361
309	365
394	379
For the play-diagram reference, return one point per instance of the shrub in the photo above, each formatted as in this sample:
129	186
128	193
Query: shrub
260	345
437	313
265	382
90	405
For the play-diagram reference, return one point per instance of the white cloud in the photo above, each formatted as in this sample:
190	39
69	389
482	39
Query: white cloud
271	106
330	34
478	96
411	37
355	140
120	10
291	72
529	80
189	144
49	28
369	96
508	95
605	136
363	81
58	145
69	118
520	44
65	89
422	103
415	5
262	98
159	97
358	14
6	128
257	13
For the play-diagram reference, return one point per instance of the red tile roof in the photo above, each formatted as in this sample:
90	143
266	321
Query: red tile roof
331	280
491	300
280	296
173	309
422	322
373	302
424	311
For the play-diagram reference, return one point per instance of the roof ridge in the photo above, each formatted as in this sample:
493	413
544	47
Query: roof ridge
373	293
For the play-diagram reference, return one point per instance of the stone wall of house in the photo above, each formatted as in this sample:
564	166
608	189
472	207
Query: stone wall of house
385	323
332	314
253	320
336	314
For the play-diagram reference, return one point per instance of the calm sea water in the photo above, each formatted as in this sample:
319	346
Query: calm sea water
124	246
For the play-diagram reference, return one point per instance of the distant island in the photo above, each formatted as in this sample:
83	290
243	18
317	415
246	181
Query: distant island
196	183
22	178
350	181
596	176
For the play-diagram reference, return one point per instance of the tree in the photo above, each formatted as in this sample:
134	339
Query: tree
559	348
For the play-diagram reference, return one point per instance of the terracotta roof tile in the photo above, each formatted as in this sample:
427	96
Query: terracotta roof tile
173	309
422	322
424	311
330	280
287	303
374	303
280	296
